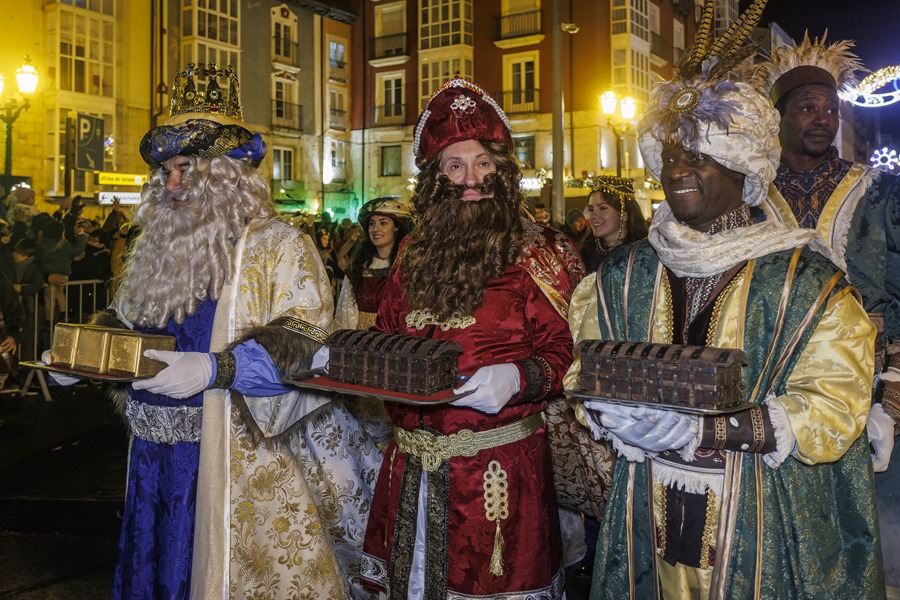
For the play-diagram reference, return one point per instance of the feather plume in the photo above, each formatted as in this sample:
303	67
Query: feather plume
838	59
739	31
691	59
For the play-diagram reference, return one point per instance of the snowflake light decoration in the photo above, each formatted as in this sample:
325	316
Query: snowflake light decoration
886	159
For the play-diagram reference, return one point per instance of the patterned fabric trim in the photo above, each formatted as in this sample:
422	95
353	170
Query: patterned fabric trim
226	370
551	592
420	319
538	378
374	570
164	424
301	327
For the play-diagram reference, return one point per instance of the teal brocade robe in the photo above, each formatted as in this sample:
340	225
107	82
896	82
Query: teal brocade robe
798	531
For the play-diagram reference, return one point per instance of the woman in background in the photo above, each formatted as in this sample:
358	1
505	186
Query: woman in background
385	221
615	217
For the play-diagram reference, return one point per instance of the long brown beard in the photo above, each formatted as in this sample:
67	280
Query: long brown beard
459	247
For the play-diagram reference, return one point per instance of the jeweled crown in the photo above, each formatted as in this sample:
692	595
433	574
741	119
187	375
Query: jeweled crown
186	98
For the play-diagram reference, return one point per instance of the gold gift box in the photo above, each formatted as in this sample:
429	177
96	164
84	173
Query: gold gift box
106	350
126	353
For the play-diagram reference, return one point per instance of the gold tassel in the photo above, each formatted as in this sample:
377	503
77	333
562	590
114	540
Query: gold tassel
496	568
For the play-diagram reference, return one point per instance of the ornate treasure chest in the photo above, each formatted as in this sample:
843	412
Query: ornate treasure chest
697	377
107	350
401	363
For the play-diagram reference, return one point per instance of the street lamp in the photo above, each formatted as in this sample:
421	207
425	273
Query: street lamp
26	80
618	124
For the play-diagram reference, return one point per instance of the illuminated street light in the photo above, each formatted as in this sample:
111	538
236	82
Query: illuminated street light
620	123
12	107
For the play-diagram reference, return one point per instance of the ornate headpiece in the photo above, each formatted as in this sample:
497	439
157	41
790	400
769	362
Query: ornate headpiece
201	123
705	112
387	206
810	62
458	111
186	98
617	187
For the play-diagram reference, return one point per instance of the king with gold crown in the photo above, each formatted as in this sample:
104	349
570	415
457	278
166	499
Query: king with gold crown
226	463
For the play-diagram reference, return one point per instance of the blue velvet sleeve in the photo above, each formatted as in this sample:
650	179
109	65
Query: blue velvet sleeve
255	373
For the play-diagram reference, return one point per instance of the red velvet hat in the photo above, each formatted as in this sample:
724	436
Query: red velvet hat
459	111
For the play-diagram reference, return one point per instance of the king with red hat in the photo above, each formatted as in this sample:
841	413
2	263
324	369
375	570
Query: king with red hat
464	505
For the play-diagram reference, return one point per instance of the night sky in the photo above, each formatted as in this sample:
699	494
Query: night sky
874	24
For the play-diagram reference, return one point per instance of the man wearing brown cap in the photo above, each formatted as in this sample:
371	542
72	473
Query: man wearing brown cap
856	209
465	505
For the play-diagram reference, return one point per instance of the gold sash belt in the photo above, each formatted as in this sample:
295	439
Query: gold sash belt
433	449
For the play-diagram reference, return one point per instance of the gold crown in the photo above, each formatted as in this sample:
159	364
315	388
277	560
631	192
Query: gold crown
186	98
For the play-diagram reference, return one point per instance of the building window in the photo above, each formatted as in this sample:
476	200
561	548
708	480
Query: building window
210	34
337	113
337	66
678	38
284	36
525	151
285	110
86	53
336	54
630	18
445	23
726	13
338	161
102	6
436	72
283	167
523	81
393	96
390	161
653	17
215	21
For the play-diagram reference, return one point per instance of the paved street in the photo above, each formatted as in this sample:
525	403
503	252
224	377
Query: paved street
62	481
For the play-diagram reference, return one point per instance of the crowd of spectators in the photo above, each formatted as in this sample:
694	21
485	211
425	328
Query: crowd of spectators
44	258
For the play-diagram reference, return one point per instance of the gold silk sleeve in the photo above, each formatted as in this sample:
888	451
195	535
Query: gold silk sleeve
828	394
583	323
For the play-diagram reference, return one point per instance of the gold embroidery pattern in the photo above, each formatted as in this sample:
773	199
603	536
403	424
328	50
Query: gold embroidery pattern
420	319
281	537
717	309
706	543
496	509
434	449
659	491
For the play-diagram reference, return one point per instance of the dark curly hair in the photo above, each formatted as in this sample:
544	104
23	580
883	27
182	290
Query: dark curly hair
458	246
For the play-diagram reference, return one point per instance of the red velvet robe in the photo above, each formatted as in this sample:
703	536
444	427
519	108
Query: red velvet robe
515	321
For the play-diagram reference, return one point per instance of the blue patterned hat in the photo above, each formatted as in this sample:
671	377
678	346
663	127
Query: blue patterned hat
203	124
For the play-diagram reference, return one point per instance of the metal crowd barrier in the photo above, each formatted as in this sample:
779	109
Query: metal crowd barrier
41	321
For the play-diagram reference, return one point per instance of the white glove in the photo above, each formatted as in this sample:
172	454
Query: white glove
880	428
650	429
494	386
187	374
320	359
58	378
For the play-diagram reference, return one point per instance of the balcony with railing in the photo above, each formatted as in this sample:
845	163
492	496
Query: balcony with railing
285	52
388	114
658	47
337	119
518	25
337	70
519	101
286	114
388	46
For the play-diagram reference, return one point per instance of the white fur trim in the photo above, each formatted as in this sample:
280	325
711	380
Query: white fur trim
684	477
687	452
785	442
